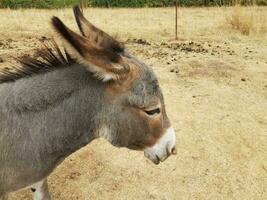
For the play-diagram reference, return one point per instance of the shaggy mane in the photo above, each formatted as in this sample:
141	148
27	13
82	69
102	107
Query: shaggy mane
45	59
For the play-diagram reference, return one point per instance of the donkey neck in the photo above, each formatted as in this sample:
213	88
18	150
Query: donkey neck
54	113
37	93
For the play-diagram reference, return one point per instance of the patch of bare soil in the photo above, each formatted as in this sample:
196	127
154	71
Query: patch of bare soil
216	97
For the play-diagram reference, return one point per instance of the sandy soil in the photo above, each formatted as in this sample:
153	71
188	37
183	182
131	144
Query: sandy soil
215	86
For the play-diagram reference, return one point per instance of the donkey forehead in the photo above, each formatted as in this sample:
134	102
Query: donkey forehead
145	79
141	84
147	83
146	73
145	90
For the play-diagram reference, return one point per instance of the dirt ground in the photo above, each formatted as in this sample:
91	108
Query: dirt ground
215	84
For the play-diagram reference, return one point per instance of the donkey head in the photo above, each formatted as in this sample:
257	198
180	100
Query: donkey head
133	112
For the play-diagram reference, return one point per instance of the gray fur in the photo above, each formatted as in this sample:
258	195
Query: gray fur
45	117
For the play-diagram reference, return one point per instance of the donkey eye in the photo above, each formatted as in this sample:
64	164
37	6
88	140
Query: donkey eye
153	112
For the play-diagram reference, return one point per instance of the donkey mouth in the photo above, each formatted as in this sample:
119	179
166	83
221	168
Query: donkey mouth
163	149
157	159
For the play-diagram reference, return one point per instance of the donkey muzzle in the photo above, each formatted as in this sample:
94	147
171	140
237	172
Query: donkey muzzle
163	148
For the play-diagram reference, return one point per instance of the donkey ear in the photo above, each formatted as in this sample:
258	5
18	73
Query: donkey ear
104	63
94	34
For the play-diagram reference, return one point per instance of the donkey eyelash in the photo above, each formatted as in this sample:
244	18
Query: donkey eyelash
152	112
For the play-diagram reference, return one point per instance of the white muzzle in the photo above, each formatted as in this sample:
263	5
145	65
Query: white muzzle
163	148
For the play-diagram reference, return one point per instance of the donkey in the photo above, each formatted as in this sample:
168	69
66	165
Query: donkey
55	104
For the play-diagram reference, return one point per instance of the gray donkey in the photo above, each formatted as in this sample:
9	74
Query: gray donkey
53	105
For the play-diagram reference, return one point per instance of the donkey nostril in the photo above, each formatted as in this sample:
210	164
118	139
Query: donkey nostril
173	151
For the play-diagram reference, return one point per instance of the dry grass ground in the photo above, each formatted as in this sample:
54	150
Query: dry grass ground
215	83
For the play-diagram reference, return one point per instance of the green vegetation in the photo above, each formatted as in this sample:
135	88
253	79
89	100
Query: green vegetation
121	3
37	3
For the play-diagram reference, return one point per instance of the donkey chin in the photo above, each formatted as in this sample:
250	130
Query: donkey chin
164	147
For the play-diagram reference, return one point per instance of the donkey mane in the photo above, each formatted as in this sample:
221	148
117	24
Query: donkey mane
45	59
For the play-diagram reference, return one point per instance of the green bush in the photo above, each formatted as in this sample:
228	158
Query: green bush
37	3
262	2
120	3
